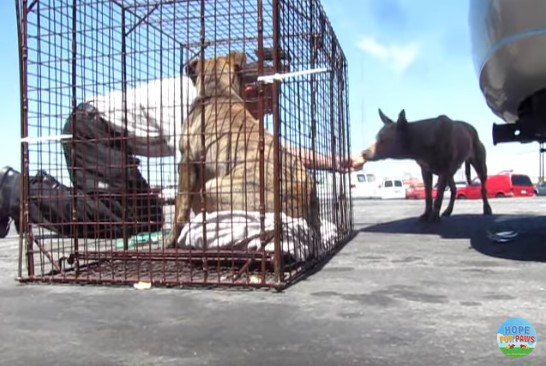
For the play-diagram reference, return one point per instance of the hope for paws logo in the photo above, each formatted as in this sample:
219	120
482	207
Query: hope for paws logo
517	338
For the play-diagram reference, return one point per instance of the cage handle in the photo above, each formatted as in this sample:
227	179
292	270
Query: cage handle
269	79
35	140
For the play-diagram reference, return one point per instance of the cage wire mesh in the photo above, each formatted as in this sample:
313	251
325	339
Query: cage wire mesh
143	119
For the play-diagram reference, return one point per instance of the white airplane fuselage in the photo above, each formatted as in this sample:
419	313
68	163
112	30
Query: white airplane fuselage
509	49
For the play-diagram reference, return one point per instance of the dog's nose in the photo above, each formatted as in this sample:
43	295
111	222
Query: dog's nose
369	153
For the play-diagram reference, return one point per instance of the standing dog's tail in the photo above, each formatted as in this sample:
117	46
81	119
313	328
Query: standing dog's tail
467	171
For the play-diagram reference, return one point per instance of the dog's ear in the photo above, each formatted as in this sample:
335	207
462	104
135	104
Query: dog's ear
402	121
237	60
191	69
386	120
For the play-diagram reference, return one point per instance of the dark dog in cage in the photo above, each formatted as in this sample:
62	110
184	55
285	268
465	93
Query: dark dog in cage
220	147
440	146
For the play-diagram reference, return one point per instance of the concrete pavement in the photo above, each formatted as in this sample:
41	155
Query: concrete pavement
400	293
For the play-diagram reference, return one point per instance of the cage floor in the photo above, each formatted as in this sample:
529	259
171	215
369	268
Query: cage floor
165	268
58	262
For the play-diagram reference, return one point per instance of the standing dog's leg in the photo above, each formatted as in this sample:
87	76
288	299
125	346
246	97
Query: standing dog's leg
453	190
427	180
481	170
188	190
480	166
442	182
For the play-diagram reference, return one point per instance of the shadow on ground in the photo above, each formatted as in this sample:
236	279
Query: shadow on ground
529	245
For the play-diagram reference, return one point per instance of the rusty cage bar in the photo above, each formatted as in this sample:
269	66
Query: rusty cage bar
181	143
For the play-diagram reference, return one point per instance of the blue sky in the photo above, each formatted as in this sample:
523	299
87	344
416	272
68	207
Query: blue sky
9	87
416	55
401	53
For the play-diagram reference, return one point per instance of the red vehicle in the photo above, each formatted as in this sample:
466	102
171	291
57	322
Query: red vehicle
500	185
417	190
415	193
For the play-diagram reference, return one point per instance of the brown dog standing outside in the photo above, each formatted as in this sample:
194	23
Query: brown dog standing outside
220	145
440	146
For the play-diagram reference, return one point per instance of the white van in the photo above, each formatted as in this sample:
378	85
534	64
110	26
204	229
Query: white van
392	189
364	185
325	184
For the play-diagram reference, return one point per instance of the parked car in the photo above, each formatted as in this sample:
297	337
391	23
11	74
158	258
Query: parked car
500	185
447	192
417	191
540	189
391	189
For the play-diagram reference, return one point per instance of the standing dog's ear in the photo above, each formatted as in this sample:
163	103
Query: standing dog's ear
402	121
237	59
191	70
386	120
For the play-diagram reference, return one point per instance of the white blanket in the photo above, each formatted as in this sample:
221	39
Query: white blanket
228	229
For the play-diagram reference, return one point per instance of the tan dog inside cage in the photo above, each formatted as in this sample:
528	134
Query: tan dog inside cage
220	147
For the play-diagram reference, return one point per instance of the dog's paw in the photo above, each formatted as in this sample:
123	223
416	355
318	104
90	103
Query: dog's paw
424	217
429	217
487	211
446	213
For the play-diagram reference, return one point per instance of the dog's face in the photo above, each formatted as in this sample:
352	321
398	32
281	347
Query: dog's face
219	76
391	139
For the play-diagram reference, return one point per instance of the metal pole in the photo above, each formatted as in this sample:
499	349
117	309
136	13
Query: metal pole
261	132
124	36
203	157
23	203
277	161
73	126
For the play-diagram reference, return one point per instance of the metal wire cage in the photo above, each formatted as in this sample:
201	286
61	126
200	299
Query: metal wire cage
218	121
